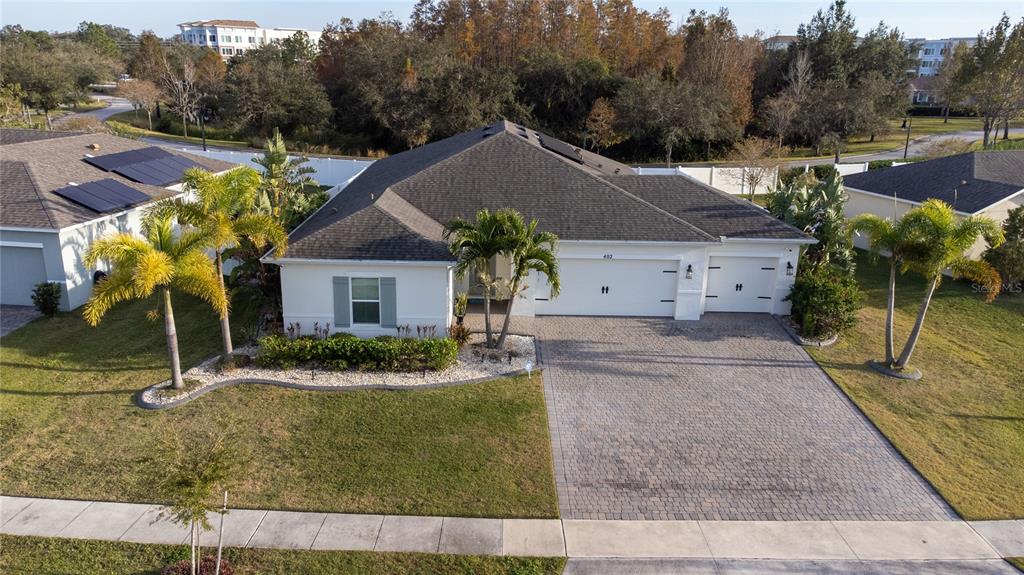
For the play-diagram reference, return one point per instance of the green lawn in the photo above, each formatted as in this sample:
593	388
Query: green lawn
69	428
962	425
1017	562
140	126
41	556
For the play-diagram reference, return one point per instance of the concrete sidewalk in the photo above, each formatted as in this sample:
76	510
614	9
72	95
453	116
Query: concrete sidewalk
763	540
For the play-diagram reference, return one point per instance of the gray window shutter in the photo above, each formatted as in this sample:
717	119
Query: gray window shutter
388	303
342	304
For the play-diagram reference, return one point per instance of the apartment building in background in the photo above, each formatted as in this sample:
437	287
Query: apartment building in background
931	53
231	37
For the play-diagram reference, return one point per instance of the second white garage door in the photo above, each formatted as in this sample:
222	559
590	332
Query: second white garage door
740	284
611	287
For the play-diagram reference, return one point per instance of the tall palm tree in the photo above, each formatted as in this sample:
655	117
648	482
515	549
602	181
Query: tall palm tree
162	260
945	238
223	207
474	244
929	239
528	250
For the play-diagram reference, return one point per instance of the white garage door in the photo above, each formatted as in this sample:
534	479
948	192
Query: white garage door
740	284
611	287
20	270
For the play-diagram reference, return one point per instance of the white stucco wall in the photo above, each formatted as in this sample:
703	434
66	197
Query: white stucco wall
75	241
423	293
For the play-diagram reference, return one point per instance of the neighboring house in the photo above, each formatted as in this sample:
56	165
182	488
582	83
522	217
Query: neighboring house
931	53
374	257
779	42
924	91
988	184
54	203
232	37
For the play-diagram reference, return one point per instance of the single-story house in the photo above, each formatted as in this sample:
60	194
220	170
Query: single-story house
988	183
59	191
374	257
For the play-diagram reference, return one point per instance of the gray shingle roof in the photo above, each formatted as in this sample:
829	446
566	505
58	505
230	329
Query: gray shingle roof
504	165
34	168
990	177
711	210
20	136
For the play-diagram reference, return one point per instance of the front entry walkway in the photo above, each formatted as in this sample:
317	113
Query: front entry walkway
719	419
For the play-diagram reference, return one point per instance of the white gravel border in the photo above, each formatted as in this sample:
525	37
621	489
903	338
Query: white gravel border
475	363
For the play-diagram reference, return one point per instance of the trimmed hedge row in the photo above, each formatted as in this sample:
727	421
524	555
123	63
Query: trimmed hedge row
343	351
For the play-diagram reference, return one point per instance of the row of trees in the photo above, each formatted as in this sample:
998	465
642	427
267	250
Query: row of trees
607	74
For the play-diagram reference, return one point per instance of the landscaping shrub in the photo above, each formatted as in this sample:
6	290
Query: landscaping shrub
1008	258
343	350
824	301
823	171
207	566
46	297
459	333
879	164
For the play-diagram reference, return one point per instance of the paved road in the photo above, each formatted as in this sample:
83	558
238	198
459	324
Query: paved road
724	418
116	106
918	146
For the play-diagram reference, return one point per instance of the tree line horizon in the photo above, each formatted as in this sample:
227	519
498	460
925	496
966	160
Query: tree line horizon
604	74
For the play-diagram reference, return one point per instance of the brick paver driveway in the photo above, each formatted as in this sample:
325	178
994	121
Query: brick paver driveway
724	418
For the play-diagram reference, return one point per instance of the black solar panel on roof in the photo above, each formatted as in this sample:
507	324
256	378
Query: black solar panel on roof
561	148
102	196
110	162
157	172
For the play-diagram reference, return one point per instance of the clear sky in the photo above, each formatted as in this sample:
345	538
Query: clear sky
916	18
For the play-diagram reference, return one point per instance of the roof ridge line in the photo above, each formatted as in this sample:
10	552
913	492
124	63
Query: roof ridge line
406	203
39	195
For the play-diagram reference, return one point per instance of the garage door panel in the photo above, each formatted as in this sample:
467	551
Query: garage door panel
20	270
740	284
612	287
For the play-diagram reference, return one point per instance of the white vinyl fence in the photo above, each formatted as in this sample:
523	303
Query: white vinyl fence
730	179
335	172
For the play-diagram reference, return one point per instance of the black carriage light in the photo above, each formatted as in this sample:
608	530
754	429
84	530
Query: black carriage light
689	271
789	268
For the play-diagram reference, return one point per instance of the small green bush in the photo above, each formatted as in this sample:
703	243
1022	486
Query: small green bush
823	171
824	301
46	297
343	350
879	164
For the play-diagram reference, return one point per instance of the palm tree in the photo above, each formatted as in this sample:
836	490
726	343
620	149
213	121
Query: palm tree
929	239
223	207
528	250
474	244
284	190
160	261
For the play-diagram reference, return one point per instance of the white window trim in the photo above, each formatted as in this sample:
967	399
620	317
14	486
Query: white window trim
352	300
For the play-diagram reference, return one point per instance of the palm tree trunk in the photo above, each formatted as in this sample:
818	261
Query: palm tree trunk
908	349
172	341
487	316
508	315
889	312
225	324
